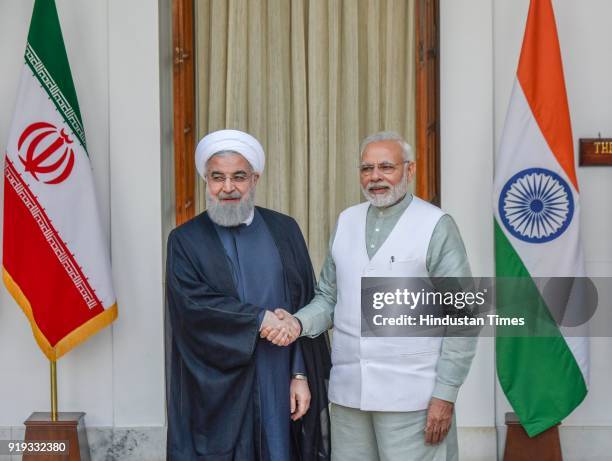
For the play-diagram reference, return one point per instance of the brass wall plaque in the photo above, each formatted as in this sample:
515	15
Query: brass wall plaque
596	152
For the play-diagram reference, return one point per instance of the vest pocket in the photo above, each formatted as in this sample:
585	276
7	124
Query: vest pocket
382	348
405	268
413	354
399	383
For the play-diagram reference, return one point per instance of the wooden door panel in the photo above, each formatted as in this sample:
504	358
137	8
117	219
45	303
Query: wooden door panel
184	108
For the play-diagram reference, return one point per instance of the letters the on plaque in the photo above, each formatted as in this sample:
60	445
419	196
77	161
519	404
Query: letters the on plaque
596	152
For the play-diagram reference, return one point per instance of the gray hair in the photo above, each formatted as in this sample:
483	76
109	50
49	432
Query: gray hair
388	136
225	153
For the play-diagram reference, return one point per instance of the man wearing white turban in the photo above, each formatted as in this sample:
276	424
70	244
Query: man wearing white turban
234	396
230	141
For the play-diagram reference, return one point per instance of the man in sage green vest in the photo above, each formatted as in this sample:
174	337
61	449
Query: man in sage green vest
391	399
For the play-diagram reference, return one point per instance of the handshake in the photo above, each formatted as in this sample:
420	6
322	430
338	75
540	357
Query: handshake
280	327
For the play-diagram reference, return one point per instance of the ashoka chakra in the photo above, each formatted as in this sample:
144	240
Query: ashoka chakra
536	205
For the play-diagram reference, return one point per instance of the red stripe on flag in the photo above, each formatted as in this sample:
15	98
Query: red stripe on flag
50	278
540	73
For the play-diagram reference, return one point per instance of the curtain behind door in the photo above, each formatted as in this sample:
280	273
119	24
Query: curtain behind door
309	79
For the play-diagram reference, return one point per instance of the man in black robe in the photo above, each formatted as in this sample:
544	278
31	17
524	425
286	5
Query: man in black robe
232	395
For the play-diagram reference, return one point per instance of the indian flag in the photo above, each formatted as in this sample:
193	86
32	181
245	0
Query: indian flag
537	231
55	259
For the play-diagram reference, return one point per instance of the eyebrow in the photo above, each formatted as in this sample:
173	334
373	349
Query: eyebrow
384	162
235	172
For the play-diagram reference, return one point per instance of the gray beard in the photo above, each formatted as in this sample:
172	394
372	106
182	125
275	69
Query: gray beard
230	214
393	195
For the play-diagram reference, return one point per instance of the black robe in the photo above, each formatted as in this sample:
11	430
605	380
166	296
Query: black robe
212	399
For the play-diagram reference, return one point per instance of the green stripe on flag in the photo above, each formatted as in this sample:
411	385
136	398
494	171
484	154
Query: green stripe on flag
538	372
46	56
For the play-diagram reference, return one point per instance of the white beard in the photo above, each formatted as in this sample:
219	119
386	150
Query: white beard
230	214
392	196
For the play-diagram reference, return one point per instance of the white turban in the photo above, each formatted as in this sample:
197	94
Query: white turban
234	140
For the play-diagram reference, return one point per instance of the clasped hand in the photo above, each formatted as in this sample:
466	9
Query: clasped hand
280	327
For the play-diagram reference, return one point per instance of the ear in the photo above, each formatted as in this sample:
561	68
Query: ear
410	171
255	178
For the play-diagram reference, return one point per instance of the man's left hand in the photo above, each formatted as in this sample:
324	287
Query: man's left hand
439	419
284	337
299	393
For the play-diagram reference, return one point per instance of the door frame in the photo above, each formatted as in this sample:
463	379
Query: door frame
427	83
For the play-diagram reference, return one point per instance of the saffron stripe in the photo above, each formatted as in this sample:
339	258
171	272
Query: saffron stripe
540	74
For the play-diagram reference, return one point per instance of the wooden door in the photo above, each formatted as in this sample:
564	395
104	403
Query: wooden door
428	100
184	108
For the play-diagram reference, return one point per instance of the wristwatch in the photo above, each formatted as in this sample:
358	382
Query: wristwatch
300	376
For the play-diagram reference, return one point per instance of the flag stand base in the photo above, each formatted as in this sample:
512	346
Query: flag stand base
69	427
520	447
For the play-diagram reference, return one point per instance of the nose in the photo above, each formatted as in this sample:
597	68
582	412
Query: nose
228	185
375	176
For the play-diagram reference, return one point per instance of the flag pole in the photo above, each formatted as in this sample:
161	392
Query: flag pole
53	390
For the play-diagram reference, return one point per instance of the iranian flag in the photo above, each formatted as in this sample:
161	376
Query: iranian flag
537	233
55	257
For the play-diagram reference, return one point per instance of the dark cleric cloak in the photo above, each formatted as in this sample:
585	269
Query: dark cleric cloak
213	410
